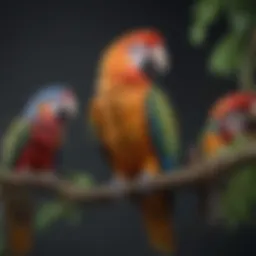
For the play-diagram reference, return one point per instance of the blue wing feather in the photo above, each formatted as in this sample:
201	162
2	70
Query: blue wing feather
163	129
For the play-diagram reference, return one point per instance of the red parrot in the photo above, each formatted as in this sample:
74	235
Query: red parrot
231	121
32	144
136	126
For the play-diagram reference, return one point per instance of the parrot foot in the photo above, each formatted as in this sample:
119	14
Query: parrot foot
144	181
118	186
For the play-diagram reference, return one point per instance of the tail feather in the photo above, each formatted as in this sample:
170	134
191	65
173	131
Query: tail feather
158	222
19	224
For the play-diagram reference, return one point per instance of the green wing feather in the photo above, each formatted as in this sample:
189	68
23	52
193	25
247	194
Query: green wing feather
14	140
163	128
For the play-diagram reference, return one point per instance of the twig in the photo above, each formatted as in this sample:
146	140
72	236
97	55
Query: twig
190	175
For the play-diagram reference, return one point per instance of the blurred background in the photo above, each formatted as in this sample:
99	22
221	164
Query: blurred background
48	42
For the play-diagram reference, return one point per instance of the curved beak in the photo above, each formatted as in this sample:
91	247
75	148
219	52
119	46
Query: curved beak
161	59
157	63
68	110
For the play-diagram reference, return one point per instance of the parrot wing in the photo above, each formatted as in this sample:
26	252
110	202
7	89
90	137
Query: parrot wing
17	203
157	208
163	128
14	140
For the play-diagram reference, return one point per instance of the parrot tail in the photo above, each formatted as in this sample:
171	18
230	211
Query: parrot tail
18	223
158	222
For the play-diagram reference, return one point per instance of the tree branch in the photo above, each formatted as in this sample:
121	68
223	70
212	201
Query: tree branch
190	175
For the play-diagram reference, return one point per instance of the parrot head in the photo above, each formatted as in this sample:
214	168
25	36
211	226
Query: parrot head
52	102
235	114
231	116
136	57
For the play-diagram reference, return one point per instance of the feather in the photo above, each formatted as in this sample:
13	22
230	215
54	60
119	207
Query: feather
14	140
17	202
51	92
163	128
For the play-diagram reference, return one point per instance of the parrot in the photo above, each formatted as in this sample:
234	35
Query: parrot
32	143
231	122
136	126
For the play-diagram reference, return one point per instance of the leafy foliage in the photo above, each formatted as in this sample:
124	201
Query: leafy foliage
232	53
239	197
205	13
55	210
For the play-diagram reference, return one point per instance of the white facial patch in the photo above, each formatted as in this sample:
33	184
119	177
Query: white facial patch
69	104
160	59
139	54
235	122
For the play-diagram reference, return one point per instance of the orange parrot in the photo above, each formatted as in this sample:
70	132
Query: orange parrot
136	126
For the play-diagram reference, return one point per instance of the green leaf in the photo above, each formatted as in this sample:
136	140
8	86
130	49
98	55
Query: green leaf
74	213
48	214
242	25
236	202
83	180
227	55
198	34
52	212
239	195
204	13
238	199
240	22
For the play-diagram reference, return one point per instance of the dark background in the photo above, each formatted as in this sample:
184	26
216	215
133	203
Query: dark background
43	42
